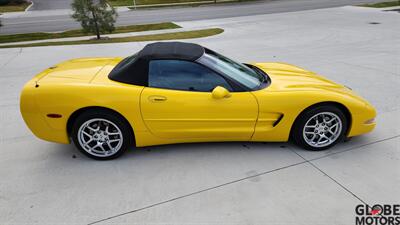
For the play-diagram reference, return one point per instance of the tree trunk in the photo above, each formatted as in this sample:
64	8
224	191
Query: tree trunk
96	26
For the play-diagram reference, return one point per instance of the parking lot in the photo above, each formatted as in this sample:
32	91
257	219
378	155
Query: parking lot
218	183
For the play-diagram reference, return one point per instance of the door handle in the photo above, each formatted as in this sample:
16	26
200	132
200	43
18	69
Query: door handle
157	98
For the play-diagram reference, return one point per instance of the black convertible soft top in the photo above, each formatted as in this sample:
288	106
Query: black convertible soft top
134	69
172	50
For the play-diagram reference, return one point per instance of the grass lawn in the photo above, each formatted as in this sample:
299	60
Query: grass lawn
153	37
13	7
79	33
383	4
147	2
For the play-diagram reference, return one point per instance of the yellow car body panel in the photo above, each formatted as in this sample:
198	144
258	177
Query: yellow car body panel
197	115
293	90
264	115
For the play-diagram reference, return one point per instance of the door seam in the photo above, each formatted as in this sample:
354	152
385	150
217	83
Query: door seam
258	116
141	113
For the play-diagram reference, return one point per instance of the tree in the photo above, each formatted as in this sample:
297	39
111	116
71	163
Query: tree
95	16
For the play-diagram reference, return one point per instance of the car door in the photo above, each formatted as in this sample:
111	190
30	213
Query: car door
178	103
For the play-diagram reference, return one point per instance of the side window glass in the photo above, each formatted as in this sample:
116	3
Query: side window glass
184	75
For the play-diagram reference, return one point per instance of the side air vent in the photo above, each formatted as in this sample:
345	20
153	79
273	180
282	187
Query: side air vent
277	121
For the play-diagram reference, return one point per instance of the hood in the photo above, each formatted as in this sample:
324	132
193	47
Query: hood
286	76
75	70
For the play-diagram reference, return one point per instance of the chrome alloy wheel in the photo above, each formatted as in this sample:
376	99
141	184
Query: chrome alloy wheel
322	129
100	137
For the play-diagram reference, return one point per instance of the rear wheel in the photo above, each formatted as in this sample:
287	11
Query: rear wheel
320	128
101	134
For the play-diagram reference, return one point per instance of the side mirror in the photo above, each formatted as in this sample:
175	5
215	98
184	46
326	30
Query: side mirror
220	92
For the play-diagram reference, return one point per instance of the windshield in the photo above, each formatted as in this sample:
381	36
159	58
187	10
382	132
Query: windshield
237	71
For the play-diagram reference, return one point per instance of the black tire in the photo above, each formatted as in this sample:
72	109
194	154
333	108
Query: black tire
298	127
106	116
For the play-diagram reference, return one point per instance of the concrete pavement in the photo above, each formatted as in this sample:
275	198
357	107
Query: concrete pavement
60	20
218	183
50	4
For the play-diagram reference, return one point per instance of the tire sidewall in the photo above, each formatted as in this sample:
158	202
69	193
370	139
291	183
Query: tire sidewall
297	133
102	114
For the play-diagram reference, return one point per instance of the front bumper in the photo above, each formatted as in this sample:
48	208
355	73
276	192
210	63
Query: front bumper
363	121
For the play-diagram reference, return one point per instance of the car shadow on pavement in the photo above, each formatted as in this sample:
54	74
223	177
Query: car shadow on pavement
195	149
187	149
62	151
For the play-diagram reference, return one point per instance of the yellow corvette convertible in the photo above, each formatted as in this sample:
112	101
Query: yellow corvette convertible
174	92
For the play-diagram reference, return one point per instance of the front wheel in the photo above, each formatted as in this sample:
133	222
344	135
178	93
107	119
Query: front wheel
101	134
320	128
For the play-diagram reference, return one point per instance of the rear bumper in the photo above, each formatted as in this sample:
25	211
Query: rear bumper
36	120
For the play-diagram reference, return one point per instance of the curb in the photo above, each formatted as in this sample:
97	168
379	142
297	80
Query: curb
27	8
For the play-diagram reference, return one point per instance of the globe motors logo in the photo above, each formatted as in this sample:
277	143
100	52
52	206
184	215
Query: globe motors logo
378	214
